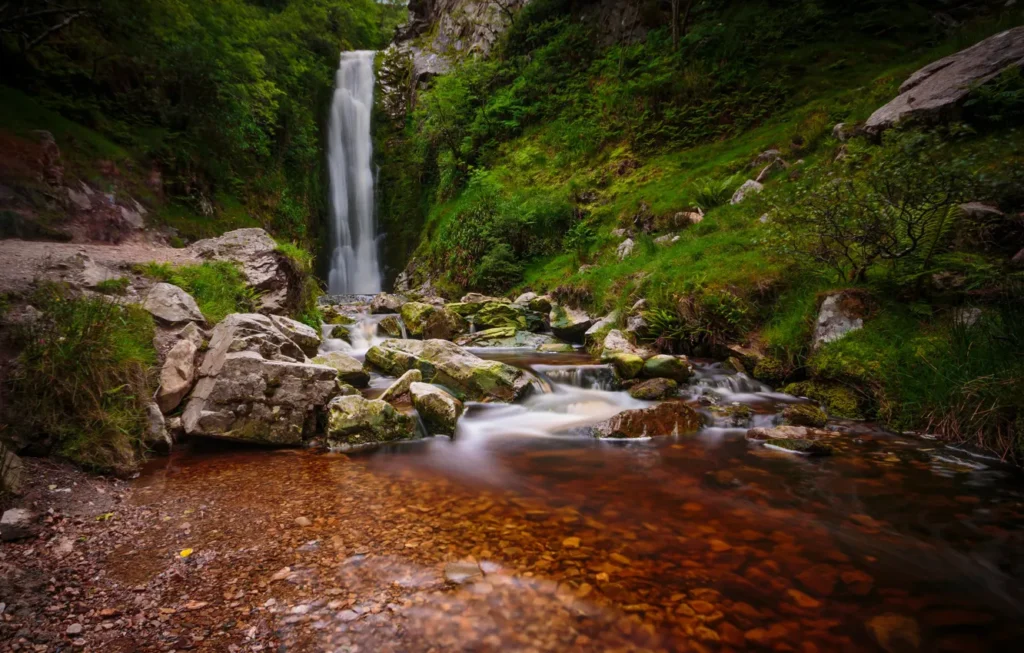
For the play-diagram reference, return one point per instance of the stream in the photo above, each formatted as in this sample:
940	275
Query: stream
524	533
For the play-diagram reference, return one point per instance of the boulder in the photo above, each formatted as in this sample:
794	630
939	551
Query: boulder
402	385
480	300
301	334
354	420
496	314
600	327
540	304
349	369
667	418
667	239
17	524
677	368
785	433
177	375
804	415
504	337
627	365
840	313
442	324
654	389
625	249
255	386
447	364
171	305
569	324
392	326
615	342
525	298
636	325
800	446
939	89
556	348
749	187
438	409
386	303
415	315
156	437
11	471
266	270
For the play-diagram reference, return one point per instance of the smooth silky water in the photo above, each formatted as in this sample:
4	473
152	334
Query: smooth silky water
696	542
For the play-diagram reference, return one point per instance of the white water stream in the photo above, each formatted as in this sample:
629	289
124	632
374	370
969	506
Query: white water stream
355	264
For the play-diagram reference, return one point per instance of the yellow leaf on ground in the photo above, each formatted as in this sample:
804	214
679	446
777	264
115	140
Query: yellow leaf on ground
185	553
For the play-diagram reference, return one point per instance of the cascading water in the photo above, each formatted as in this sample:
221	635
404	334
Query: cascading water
355	265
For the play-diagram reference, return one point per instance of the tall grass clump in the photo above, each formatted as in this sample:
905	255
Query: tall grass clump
83	379
218	287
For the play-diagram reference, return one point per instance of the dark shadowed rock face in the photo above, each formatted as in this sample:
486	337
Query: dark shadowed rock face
668	418
941	86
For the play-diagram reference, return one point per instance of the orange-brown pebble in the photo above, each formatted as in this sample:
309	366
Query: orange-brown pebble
803	600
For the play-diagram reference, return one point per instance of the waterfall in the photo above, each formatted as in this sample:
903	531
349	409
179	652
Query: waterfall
355	267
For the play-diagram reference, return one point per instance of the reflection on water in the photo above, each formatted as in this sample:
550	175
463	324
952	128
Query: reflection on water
690	543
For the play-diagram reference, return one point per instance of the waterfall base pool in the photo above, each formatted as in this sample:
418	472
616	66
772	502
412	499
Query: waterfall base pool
515	536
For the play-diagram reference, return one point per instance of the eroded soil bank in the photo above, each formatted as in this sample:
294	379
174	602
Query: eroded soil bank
524	543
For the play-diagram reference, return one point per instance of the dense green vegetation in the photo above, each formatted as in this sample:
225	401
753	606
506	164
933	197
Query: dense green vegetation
84	378
224	100
513	171
218	287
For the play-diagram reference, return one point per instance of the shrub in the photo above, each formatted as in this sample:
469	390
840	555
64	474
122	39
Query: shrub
83	379
113	286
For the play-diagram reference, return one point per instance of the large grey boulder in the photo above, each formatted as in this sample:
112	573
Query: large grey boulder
383	303
177	375
840	314
172	305
17	524
266	270
569	324
354	421
415	314
749	187
438	409
256	386
156	436
447	364
401	386
941	86
615	342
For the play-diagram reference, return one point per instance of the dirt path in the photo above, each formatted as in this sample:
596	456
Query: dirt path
22	261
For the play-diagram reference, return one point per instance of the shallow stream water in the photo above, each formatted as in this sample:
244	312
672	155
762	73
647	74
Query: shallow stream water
700	542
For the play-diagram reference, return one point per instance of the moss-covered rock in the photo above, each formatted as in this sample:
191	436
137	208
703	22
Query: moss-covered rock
771	370
504	337
391	325
495	314
735	414
444	324
401	386
353	420
540	304
627	366
415	315
800	446
653	389
447	364
556	348
677	368
804	415
569	324
439	410
839	400
349	369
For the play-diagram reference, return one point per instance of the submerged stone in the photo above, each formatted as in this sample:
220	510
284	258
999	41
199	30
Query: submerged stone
801	446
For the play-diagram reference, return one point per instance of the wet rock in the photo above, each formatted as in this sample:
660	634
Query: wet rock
569	324
392	326
804	415
627	366
266	270
386	303
255	385
615	342
677	368
895	633
17	524
438	409
442	324
749	187
172	305
354	421
735	414
654	389
349	369
840	313
504	337
540	304
938	90
525	298
156	437
800	446
668	418
402	385
447	364
11	471
820	580
415	315
301	334
782	432
556	348
839	400
177	375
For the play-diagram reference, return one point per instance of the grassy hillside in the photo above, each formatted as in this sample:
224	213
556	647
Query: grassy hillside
516	170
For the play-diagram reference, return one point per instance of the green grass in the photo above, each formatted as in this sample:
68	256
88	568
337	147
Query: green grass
218	287
85	376
116	286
